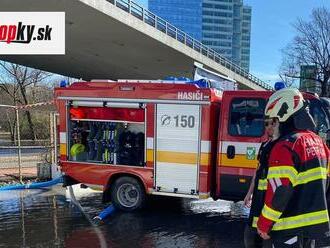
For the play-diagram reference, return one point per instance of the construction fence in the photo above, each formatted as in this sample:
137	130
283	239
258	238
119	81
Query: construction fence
24	159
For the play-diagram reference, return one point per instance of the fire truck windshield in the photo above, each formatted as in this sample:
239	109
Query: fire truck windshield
320	111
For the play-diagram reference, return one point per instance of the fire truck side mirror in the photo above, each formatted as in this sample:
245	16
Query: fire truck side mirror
231	152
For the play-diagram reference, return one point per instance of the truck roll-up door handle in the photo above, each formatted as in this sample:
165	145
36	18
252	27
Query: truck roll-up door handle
230	152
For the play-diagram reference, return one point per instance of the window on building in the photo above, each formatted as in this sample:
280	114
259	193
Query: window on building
237	26
216	13
216	28
236	54
223	1
245	51
245	65
207	5
208	20
245	44
236	40
246	10
245	31
246	24
246	37
246	58
225	7
237	12
246	18
212	35
247	117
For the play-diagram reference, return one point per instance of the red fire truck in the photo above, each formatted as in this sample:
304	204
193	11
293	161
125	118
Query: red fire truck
140	138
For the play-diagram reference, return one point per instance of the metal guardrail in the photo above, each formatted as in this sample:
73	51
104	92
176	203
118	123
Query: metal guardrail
157	22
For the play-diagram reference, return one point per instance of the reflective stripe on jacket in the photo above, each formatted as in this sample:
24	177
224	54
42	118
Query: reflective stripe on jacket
295	198
260	181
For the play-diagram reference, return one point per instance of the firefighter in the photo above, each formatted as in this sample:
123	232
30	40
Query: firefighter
255	196
294	213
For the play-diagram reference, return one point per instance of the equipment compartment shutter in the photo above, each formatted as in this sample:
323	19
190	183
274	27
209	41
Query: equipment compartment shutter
107	113
177	148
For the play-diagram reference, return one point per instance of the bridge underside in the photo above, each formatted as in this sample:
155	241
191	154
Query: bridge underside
99	46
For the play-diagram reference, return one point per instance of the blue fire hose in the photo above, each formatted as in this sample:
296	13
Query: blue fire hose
105	213
33	185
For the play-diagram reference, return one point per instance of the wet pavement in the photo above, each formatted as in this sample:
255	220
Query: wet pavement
47	218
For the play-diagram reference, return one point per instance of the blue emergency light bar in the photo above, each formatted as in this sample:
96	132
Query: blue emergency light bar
279	85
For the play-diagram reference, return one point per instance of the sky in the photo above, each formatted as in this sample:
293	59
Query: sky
272	30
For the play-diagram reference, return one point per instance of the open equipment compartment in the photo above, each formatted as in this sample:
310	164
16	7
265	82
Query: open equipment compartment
106	133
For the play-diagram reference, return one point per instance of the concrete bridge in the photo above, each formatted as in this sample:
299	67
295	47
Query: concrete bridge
118	39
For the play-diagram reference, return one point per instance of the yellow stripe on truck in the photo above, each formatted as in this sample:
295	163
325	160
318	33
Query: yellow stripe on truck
177	157
239	160
205	158
63	149
150	155
180	157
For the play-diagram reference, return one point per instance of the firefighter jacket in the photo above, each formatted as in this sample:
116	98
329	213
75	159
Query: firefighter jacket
260	181
295	200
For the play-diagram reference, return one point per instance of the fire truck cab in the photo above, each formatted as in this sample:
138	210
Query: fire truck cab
139	138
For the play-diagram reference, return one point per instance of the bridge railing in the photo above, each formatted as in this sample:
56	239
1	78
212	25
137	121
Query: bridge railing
162	25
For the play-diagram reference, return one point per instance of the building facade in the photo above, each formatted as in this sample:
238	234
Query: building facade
224	25
186	14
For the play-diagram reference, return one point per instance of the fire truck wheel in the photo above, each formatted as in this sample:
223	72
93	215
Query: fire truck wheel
127	194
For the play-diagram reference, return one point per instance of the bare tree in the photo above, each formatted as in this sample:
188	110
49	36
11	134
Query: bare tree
288	70
311	46
7	97
15	80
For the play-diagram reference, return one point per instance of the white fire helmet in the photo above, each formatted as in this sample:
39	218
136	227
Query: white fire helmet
284	103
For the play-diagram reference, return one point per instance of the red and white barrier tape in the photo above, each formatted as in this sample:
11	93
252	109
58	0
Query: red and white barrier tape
34	105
